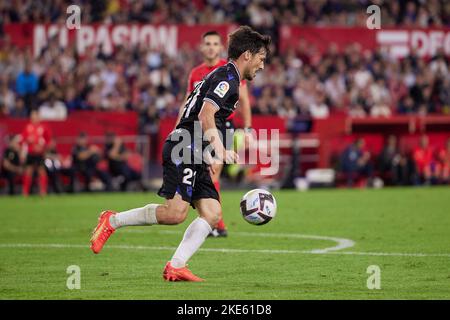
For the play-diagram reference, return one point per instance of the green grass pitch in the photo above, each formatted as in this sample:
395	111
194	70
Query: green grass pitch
405	232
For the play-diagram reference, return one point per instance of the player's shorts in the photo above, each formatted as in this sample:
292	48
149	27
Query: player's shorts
191	181
227	133
34	160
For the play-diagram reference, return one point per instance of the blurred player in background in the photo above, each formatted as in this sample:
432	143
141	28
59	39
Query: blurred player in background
35	139
426	167
444	158
211	48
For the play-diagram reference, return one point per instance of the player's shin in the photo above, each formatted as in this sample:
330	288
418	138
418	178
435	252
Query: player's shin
27	180
43	182
135	217
193	238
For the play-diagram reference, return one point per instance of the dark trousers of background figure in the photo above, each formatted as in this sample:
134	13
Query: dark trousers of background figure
54	177
128	175
91	172
10	177
353	172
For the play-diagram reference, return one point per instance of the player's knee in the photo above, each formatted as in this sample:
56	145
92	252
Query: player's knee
212	217
177	215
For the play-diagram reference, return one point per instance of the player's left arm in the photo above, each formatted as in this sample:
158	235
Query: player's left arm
246	110
181	110
190	87
208	124
244	104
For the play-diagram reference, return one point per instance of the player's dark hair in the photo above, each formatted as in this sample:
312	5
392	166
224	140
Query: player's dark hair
211	33
246	39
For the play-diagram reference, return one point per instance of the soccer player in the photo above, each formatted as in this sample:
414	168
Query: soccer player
444	158
211	48
11	163
186	181
426	167
35	138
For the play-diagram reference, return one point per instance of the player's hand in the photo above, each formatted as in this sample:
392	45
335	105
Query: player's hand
211	170
231	156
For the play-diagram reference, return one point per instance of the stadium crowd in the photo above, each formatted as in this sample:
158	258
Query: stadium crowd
301	81
262	13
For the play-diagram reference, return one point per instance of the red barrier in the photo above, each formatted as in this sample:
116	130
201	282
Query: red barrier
335	133
94	123
397	41
167	38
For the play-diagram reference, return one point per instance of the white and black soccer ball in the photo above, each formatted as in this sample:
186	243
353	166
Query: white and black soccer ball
258	206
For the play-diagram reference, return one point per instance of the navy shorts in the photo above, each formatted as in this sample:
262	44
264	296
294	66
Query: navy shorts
191	181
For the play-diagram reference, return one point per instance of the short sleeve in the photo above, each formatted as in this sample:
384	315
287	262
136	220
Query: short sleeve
219	92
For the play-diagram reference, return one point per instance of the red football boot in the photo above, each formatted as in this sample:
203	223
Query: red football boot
179	274
102	232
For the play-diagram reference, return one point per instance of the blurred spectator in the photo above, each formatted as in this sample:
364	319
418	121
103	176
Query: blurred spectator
19	110
27	85
117	155
85	162
53	109
406	106
260	14
428	170
11	166
149	125
393	165
55	169
318	109
355	163
7	97
35	137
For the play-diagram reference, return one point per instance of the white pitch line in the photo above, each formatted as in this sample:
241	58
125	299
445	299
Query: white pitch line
222	250
342	243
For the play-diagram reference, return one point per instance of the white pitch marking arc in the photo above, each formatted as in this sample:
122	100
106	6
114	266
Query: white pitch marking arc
341	243
128	247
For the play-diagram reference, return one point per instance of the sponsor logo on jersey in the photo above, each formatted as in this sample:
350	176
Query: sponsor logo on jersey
222	89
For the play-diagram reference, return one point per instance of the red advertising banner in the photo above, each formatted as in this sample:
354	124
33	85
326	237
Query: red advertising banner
397	41
167	38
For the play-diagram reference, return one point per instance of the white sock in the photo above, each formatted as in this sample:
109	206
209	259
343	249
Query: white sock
193	238
135	217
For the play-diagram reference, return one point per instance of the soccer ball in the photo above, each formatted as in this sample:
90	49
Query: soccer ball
258	206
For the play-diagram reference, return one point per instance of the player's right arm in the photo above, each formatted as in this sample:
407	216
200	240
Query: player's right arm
190	87
181	111
208	123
